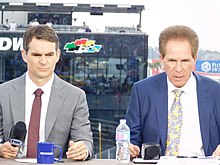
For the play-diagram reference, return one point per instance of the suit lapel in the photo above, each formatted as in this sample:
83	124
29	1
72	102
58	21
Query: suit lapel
55	103
160	93
17	99
204	102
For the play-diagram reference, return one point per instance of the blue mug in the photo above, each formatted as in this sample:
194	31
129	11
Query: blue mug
45	153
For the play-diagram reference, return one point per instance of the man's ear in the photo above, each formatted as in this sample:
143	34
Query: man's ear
24	55
161	60
196	56
58	55
161	57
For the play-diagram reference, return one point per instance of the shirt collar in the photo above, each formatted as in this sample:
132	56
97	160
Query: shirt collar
33	87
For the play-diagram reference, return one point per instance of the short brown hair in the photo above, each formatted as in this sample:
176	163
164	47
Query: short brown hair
41	32
180	32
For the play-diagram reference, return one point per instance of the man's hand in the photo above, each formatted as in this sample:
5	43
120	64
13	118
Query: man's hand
7	151
77	151
217	151
134	150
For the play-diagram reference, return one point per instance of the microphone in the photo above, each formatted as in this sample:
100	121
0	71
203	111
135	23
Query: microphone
17	134
150	151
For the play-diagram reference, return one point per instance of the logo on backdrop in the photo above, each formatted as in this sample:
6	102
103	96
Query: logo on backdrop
14	43
83	45
208	66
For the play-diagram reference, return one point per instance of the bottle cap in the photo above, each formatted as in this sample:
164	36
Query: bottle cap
122	121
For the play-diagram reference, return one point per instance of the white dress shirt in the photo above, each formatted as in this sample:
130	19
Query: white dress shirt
190	137
30	88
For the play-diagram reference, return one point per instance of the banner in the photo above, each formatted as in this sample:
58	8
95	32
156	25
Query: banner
208	67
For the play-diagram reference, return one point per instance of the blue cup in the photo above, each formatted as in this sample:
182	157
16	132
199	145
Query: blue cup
45	153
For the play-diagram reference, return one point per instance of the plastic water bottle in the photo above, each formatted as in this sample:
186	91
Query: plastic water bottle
122	142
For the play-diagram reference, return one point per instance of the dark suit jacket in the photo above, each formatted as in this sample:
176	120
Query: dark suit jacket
148	110
67	114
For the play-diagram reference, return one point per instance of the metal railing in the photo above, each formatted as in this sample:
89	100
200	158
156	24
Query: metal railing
107	154
104	137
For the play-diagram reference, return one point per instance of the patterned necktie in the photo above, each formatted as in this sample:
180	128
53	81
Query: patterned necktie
174	125
34	125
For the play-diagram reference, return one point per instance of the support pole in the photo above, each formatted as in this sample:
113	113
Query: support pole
2	17
139	24
100	140
3	7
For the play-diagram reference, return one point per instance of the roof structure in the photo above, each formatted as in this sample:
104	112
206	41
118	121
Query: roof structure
94	9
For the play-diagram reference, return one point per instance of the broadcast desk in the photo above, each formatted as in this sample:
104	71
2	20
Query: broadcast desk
69	162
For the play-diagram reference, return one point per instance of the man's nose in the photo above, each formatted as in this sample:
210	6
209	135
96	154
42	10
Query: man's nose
43	60
179	66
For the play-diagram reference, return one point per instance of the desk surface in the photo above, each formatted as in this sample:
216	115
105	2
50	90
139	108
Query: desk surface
68	162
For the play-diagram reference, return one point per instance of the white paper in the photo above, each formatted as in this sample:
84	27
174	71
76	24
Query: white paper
26	160
142	161
188	161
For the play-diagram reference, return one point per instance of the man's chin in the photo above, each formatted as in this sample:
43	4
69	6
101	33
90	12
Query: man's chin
43	75
179	84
